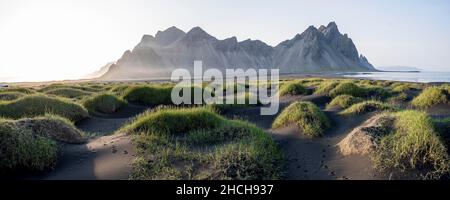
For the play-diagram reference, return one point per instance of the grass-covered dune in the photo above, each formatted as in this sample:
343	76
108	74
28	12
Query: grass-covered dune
366	107
54	127
17	89
343	101
197	143
31	144
292	88
431	96
149	94
21	150
68	92
350	88
309	118
414	146
103	103
9	96
67	86
36	105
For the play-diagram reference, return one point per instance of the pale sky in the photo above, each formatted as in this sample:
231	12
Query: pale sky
61	39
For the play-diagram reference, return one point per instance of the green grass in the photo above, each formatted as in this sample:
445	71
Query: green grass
38	105
152	95
197	143
431	96
54	127
352	89
325	87
292	88
414	146
344	101
309	118
68	92
182	120
9	96
65	86
347	88
22	151
366	107
103	103
18	89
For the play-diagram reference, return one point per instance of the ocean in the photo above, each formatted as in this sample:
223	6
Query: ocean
421	77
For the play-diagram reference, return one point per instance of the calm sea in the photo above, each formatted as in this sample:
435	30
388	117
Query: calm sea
422	77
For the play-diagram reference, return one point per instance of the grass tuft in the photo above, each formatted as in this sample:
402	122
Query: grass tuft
21	150
103	103
344	101
366	107
431	96
38	105
309	118
414	146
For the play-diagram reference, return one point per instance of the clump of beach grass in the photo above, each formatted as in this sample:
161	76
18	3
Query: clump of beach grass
307	116
325	87
9	96
414	146
431	96
21	150
149	94
292	88
18	89
344	101
366	107
197	143
103	103
68	92
38	105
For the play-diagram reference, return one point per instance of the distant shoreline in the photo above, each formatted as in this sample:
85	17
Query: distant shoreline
343	75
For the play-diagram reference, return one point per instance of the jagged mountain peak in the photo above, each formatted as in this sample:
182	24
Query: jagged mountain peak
198	33
320	49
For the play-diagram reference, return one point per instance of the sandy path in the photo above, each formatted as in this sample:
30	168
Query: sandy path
104	157
313	158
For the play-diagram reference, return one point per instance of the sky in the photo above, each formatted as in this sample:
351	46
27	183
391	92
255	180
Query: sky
66	39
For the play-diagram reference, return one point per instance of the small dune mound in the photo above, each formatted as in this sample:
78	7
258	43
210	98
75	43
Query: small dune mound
352	89
17	89
67	86
21	150
366	107
431	96
292	88
151	95
38	105
343	101
68	92
414	146
347	88
104	103
365	138
54	127
325	87
119	90
10	96
197	143
183	120
309	118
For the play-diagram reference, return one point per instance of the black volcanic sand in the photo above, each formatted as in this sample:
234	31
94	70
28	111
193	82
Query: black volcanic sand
110	156
103	157
314	158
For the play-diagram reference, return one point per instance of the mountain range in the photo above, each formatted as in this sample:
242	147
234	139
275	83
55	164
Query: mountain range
316	50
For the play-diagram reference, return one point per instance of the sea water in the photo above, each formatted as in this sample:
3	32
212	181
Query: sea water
422	76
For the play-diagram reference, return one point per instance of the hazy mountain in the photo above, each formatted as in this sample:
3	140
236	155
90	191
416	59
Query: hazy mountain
315	50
